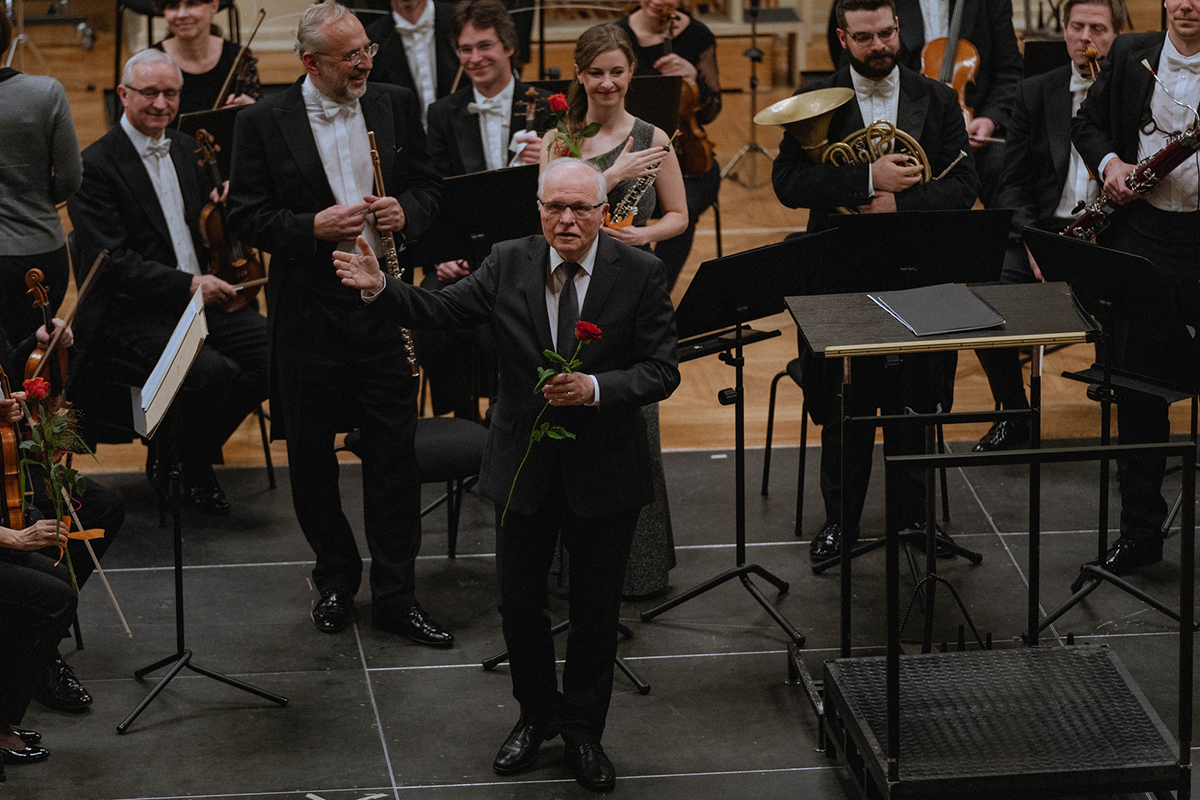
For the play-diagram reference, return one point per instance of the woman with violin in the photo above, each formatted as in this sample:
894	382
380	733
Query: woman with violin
206	58
668	41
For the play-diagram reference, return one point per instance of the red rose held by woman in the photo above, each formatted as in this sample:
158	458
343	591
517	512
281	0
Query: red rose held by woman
558	103
36	388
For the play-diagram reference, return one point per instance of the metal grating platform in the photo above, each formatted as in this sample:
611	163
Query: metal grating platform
1035	720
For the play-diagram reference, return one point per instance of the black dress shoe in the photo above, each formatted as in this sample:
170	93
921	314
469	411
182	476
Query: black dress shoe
520	749
1004	435
591	767
413	623
333	611
1127	554
828	543
28	737
56	687
29	754
202	490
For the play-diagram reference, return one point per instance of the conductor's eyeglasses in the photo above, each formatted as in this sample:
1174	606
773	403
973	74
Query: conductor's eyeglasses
558	209
151	94
862	37
355	57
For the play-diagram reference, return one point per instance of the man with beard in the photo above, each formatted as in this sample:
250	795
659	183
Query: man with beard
302	185
928	111
1130	115
1044	181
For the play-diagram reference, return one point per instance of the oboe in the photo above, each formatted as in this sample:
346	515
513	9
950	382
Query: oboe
391	257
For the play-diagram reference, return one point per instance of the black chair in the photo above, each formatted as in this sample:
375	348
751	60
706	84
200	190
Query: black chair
449	451
793	371
146	8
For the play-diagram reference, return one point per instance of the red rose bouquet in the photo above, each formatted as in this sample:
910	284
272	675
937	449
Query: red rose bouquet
584	332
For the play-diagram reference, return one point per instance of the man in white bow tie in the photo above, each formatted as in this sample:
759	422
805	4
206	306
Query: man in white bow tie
302	185
1044	181
480	127
141	198
416	50
1129	115
928	111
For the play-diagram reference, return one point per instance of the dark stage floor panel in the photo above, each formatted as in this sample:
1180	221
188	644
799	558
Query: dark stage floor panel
373	716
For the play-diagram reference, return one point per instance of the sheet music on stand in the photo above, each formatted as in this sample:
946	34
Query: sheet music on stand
152	400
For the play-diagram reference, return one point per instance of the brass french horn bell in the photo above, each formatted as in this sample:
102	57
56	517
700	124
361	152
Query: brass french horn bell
807	116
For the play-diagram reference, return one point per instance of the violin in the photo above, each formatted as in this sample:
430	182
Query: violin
1093	60
694	150
228	259
38	360
953	61
14	515
239	73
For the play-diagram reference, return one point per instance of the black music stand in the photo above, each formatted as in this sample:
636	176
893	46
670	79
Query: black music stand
471	221
1116	288
219	124
169	374
726	294
653	98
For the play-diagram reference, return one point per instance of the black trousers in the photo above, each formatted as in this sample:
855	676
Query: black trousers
701	193
367	385
19	316
37	605
1149	347
920	382
227	381
599	551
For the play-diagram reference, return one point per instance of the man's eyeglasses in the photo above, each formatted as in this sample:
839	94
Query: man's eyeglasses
483	48
151	94
356	57
865	38
557	209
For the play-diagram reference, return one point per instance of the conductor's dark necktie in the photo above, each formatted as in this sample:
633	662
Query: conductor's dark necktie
568	310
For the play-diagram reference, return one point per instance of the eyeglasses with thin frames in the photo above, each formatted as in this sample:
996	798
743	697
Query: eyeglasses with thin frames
862	37
354	57
483	48
558	209
151	94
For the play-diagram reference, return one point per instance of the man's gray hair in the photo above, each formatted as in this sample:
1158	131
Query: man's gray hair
563	163
148	56
309	38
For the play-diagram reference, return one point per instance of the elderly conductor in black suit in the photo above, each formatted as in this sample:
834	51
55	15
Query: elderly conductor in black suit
302	186
588	489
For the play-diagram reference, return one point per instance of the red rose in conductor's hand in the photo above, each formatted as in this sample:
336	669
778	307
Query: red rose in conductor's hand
558	103
587	332
36	388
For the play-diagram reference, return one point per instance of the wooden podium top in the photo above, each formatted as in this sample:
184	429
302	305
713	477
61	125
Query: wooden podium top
843	325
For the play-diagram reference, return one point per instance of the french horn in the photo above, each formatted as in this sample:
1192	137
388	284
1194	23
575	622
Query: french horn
806	117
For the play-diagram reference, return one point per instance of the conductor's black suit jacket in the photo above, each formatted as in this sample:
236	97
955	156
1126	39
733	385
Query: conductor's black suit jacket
606	467
277	186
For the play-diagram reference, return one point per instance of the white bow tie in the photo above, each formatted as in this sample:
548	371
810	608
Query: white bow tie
421	26
332	109
1079	82
489	105
159	149
879	88
1190	64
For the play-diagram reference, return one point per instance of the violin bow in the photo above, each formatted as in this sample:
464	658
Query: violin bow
237	62
96	563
